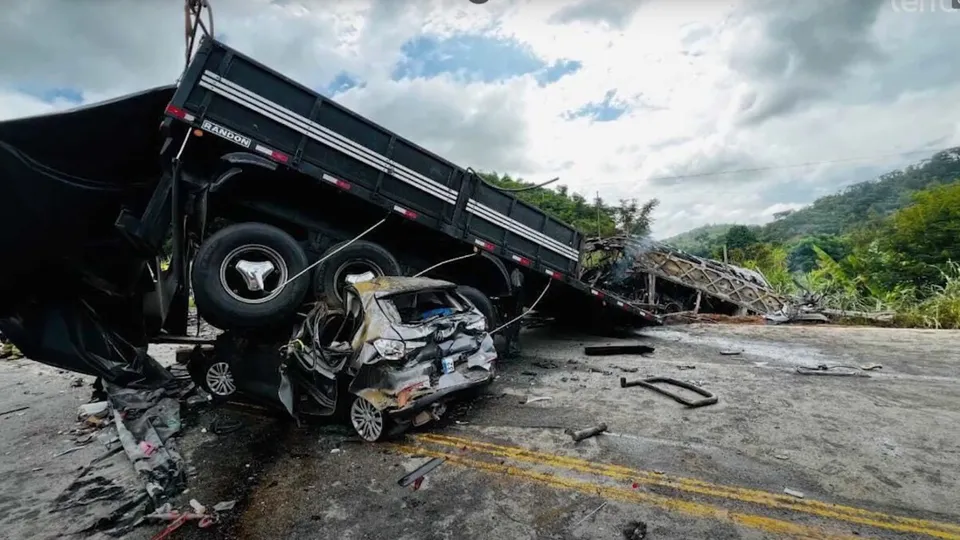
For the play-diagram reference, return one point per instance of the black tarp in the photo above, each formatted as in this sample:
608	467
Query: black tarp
68	278
64	178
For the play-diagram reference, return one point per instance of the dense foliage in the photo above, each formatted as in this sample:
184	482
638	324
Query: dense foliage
592	218
888	244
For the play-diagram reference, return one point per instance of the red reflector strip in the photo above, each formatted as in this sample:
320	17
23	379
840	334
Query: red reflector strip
180	113
485	245
342	184
270	152
409	214
596	293
522	260
551	273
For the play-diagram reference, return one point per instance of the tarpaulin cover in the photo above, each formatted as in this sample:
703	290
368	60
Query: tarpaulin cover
64	178
69	335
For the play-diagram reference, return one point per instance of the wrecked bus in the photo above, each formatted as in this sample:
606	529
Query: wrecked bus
266	197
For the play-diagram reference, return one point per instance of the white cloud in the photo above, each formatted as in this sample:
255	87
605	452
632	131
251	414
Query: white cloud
711	86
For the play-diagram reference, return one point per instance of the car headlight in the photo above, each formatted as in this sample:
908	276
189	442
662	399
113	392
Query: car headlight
478	325
392	349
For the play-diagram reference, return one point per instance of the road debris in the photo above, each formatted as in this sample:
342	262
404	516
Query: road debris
536	399
586	517
793	493
601	371
609	350
730	353
416	477
578	436
69	451
11	411
626	369
635	530
546	364
781	456
871	367
686	367
708	397
223	426
833	371
224	506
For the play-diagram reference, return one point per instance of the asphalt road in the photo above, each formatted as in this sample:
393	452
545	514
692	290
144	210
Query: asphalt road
873	457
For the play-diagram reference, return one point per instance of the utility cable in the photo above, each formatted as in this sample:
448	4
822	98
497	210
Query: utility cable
525	313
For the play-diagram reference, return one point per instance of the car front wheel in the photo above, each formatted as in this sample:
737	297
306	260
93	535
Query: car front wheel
371	424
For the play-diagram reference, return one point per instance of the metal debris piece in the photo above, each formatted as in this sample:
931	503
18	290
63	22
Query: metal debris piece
11	411
69	450
578	436
793	493
608	350
590	514
421	471
536	399
834	371
708	397
730	353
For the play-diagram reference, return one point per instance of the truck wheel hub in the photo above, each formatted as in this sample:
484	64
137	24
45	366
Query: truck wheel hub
253	274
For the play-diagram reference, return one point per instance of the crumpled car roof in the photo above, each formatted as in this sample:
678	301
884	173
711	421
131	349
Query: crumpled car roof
383	286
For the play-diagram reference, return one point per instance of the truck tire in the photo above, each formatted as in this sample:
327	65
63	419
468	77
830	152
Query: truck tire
252	296
357	258
483	303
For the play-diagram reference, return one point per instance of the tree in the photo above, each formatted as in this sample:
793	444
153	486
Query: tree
633	220
740	237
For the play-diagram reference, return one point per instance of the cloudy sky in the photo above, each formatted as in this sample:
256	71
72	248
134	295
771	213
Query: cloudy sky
631	98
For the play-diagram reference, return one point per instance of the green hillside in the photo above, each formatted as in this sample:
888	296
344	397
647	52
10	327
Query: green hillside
841	212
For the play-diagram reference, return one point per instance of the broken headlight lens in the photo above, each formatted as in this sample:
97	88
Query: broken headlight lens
479	325
392	349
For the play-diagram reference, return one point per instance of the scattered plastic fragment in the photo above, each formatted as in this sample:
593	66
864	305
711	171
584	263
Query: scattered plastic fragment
197	507
224	506
98	409
147	448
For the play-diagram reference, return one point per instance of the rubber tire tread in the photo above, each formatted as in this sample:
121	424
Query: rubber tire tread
220	309
323	279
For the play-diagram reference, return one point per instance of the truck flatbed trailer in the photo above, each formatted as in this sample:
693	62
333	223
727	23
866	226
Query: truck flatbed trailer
363	168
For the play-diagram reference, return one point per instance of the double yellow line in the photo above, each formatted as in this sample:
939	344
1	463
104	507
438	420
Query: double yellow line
629	476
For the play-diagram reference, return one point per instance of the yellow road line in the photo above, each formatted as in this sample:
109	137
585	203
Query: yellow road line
772	500
690	508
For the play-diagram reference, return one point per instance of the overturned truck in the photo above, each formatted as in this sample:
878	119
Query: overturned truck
262	199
